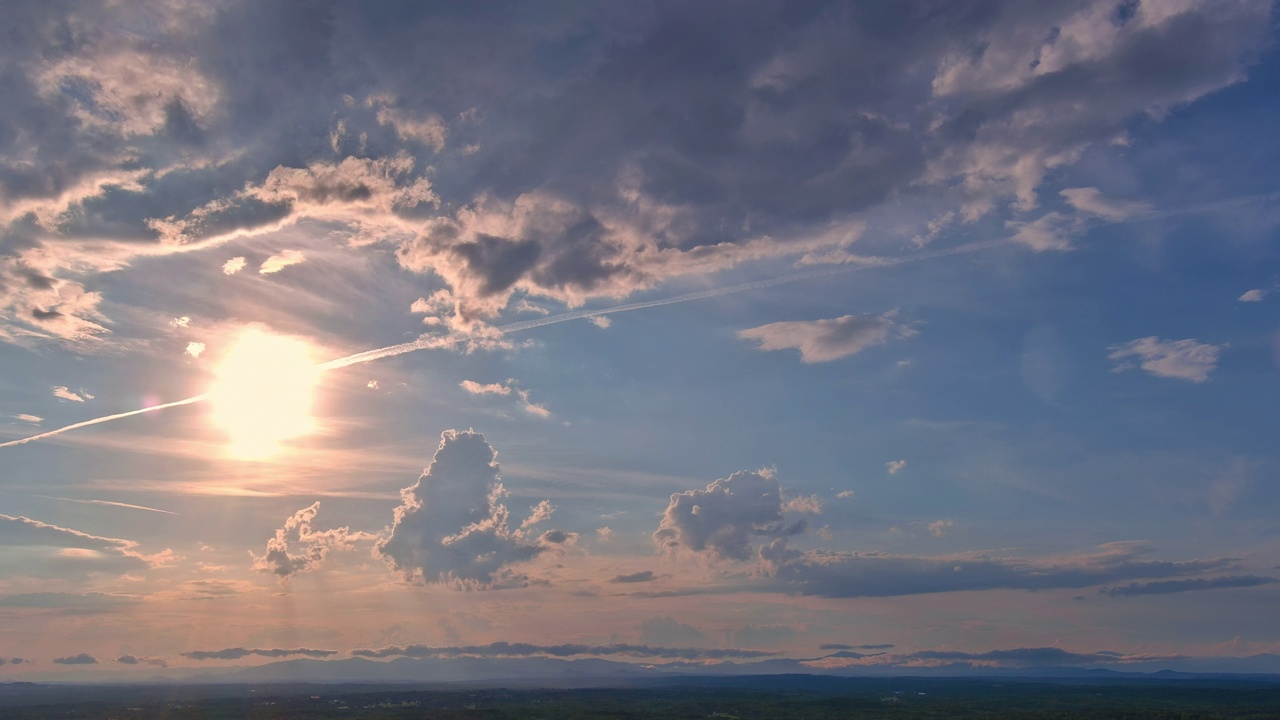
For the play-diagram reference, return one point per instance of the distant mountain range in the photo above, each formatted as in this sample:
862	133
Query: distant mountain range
594	672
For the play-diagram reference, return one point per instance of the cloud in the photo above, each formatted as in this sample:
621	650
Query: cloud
504	649
1091	200
526	403
28	418
1180	359
1164	587
1013	658
297	548
237	653
280	261
234	265
1253	296
827	340
71	603
666	631
843	646
194	349
1051	231
895	466
870	574
142	136
61	391
803	504
476	388
635	577
451	526
135	660
81	659
72	547
938	528
724	519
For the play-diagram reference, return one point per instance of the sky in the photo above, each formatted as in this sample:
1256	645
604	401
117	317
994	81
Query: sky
665	331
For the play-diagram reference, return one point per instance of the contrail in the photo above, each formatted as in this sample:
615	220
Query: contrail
105	418
110	503
425	343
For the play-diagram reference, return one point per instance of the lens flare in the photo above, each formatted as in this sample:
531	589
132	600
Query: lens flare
262	396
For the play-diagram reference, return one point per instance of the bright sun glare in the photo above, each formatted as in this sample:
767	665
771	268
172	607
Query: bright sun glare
262	396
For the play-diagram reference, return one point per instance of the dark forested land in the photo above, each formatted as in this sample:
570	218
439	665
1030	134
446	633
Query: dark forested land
745	698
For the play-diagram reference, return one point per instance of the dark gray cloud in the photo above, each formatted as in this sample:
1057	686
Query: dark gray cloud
81	659
635	577
843	646
504	649
451	528
135	660
646	141
1013	658
239	652
1164	587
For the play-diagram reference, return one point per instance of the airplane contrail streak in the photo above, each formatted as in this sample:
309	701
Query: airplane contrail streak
425	343
104	418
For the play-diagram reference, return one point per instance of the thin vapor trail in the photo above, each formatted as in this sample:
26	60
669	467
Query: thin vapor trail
425	343
109	503
104	418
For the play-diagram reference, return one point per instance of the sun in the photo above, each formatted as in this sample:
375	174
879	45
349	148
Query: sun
262	395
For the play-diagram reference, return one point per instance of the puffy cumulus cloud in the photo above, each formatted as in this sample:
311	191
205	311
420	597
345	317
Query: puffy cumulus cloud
1186	359
195	349
476	388
895	466
505	649
81	659
72	547
298	548
1164	587
727	517
827	340
137	660
280	261
237	653
451	526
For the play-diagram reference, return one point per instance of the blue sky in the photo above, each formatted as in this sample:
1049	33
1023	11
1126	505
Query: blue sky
946	328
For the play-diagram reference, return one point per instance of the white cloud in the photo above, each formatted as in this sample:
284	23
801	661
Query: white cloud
1181	359
826	340
372	384
1051	231
601	321
476	388
451	526
194	349
234	265
62	392
181	322
298	548
72	549
803	504
845	494
33	419
895	466
282	260
1092	201
938	528
1252	296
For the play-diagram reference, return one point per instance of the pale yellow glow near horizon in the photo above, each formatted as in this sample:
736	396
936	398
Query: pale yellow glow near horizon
262	396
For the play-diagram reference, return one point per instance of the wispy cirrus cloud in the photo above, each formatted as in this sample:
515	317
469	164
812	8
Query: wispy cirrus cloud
827	340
